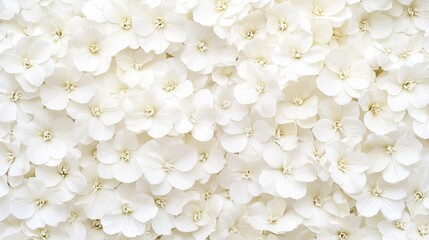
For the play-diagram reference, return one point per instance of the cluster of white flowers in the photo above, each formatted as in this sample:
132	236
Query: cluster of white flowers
214	119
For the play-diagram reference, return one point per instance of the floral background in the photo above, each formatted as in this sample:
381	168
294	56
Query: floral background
214	119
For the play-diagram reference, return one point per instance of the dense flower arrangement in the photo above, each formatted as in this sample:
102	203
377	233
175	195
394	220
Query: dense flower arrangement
214	119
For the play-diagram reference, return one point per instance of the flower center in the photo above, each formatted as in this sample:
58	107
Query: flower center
40	202
221	6
376	108
57	34
161	202
232	230
316	155
318	201
96	223
167	167
246	173
159	23
94	48
336	33
138	66
401	225
15	96
125	156
376	191
409	85
390	150
261	61
149	111
47	136
296	53
418	196
364	25
126	23
202	46
97	185
207	195
297	101
225	104
126	209
343	75
44	234
342	165
286	170
250	34
282	25
10	158
248	132
317	11
412	11
69	86
170	86
63	170
273	220
27	62
260	87
337	125
405	53
204	157
96	111
342	236
197	216
423	230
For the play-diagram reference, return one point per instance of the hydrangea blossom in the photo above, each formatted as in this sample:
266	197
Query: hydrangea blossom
214	119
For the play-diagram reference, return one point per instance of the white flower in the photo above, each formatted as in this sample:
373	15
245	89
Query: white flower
299	57
171	168
38	205
15	163
338	122
221	12
211	159
196	219
344	77
345	228
30	61
97	194
407	87
246	134
250	27
15	103
97	118
149	111
121	156
136	67
396	230
198	116
347	167
378	117
273	217
421	121
47	138
259	89
159	27
66	176
203	50
129	212
300	103
240	177
377	195
121	31
392	155
284	19
172	80
92	51
227	107
287	174
417	199
65	85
